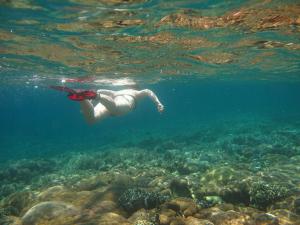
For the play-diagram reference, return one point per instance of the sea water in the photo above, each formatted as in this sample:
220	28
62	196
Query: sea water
227	74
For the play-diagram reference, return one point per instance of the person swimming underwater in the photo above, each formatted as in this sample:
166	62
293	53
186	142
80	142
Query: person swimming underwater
108	102
115	103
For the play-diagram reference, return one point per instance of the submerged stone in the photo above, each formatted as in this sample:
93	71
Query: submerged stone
17	202
47	211
266	219
112	219
183	206
104	207
297	206
195	221
89	184
230	217
286	217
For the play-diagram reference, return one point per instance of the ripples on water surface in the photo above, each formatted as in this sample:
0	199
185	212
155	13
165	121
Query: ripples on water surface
228	75
150	40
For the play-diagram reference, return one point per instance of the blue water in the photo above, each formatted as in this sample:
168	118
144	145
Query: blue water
41	122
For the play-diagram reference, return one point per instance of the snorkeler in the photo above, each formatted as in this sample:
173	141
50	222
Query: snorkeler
108	102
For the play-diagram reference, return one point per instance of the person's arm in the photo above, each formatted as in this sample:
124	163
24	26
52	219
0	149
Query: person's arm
153	97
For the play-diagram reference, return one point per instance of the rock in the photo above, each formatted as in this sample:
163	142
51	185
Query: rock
191	210
142	181
297	206
180	204
112	219
104	207
123	180
230	217
166	215
195	221
93	200
285	217
266	219
48	211
50	192
62	194
164	219
90	184
177	221
226	206
17	202
208	213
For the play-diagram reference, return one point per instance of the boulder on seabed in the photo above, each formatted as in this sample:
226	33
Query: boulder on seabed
48	211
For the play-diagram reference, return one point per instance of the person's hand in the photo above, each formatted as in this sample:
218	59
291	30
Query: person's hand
160	108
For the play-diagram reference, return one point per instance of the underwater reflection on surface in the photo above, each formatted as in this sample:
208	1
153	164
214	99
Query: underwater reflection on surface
151	39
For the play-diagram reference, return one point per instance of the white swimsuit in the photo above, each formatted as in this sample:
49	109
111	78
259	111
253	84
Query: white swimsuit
124	103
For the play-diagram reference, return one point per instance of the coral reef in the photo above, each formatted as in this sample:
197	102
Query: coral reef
263	194
248	177
133	199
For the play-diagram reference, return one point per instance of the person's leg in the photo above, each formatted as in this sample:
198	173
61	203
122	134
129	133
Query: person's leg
108	102
91	113
87	109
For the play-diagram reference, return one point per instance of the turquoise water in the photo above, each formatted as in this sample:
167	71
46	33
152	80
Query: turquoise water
45	122
227	73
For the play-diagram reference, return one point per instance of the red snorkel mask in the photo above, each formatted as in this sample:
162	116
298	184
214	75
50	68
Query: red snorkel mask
76	95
